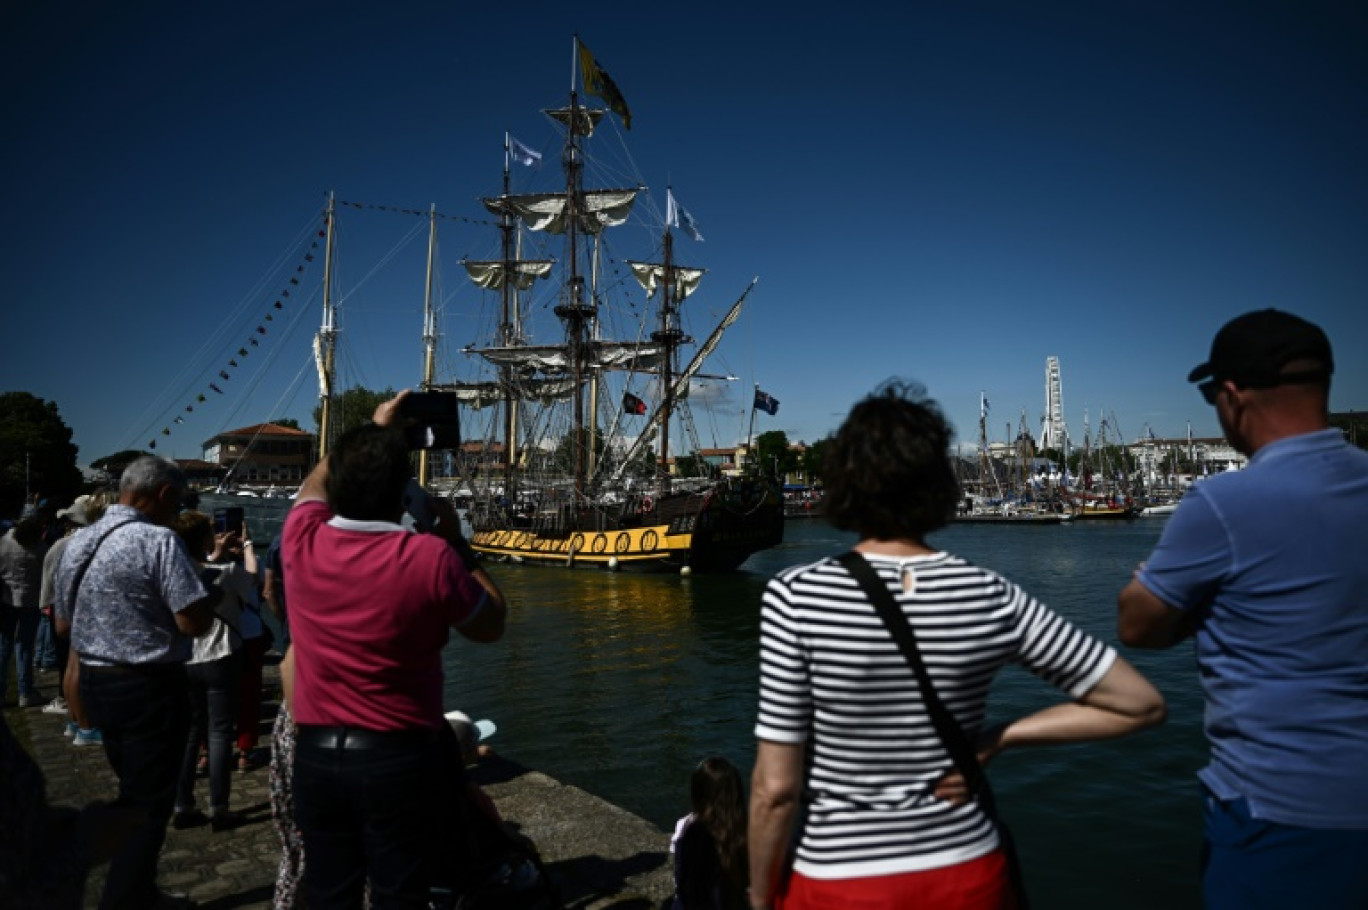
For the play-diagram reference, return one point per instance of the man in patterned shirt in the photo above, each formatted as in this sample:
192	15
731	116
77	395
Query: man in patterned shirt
131	599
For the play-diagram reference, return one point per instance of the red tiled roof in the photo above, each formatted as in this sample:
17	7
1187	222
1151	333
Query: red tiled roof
265	429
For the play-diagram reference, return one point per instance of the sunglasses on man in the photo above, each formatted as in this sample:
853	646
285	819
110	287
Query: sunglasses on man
1212	387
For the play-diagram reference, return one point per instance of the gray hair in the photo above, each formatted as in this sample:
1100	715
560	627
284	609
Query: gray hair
149	473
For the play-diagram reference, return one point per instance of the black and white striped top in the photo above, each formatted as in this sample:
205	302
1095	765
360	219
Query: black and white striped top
827	663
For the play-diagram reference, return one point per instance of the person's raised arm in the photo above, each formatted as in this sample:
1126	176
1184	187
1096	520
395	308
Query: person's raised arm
488	624
776	785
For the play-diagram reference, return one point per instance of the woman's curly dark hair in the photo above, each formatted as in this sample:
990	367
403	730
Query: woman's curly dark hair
887	472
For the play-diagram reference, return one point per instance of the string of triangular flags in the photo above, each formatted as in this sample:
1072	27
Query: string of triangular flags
253	341
403	211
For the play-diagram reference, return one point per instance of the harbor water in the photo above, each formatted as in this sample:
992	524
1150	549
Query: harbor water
621	683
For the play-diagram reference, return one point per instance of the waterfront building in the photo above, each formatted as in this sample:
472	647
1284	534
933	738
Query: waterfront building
263	454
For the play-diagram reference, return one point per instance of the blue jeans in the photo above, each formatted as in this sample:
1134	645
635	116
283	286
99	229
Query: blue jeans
368	813
213	719
45	644
18	629
144	715
1253	864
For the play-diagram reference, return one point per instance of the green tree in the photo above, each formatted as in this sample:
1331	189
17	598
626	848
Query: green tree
36	453
292	423
689	466
773	457
564	457
351	409
814	456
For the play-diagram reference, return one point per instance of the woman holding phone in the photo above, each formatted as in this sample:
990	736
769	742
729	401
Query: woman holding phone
214	671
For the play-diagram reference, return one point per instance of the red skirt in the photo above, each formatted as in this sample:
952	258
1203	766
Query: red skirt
979	884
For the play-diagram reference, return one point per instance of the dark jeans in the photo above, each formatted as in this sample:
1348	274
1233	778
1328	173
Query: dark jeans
213	720
1250	863
144	715
367	813
18	629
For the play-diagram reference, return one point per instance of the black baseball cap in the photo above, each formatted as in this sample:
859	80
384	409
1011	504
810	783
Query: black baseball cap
1251	350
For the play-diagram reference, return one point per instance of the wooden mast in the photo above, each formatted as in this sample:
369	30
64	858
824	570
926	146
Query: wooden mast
429	330
669	337
327	335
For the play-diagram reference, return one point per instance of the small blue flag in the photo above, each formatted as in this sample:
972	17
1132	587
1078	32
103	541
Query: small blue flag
766	402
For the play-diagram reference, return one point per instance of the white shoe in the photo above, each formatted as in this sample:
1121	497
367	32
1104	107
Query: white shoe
71	728
91	737
57	706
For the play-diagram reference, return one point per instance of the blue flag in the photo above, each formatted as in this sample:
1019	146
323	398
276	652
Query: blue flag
766	402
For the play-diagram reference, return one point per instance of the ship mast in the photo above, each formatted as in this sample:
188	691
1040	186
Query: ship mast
669	336
507	329
429	330
325	343
574	310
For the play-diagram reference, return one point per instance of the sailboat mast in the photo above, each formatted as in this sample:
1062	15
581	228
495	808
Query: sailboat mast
325	346
429	329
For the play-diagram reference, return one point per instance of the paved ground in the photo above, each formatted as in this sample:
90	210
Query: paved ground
599	855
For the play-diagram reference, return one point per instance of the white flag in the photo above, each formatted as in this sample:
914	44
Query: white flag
522	154
676	216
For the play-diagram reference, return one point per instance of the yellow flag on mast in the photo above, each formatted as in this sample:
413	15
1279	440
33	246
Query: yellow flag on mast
597	82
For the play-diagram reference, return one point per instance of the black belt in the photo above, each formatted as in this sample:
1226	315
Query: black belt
158	669
317	737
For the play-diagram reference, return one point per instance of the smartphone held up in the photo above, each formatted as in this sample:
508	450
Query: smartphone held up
432	420
230	519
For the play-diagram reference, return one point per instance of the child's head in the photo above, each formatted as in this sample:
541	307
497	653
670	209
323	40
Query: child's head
716	787
196	531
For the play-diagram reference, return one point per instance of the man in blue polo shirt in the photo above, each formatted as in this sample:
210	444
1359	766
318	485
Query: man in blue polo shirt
1267	568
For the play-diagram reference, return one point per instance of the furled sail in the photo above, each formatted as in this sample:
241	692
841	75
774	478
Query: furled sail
650	274
478	395
588	118
494	275
555	359
597	209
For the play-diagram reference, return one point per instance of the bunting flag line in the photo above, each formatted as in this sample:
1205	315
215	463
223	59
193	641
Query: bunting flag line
523	154
416	212
766	402
597	82
677	216
632	404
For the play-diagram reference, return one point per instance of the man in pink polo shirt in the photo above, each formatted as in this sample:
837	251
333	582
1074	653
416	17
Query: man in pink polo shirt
371	608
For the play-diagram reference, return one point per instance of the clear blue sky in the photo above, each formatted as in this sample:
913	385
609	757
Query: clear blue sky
946	191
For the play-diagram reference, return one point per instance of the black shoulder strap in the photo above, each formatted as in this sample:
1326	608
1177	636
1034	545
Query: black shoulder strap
961	750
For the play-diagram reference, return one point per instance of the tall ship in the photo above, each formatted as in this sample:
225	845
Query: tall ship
581	449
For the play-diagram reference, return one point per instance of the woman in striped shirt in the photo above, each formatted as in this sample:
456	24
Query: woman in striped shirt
889	822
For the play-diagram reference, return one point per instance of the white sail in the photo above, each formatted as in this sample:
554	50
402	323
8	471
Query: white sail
478	395
494	275
556	359
598	209
650	274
